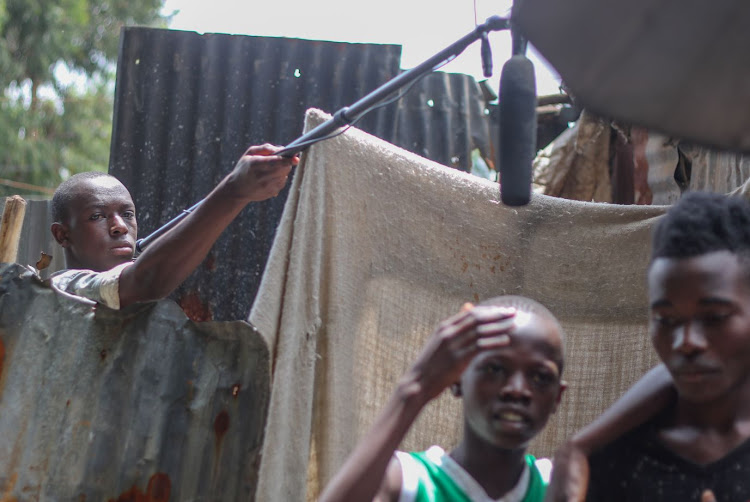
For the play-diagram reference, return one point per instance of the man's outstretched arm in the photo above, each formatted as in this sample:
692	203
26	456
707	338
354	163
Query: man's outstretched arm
170	259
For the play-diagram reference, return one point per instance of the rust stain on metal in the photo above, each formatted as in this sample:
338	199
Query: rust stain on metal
236	390
221	425
159	487
195	309
158	490
7	497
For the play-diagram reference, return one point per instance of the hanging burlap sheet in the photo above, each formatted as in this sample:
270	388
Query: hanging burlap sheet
377	245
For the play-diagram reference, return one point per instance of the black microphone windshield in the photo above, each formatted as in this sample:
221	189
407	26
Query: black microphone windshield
517	148
486	51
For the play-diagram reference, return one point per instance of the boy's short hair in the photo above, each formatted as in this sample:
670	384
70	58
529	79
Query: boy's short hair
524	304
66	191
701	223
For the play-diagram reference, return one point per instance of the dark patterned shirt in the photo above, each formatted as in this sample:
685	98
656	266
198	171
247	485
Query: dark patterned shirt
637	467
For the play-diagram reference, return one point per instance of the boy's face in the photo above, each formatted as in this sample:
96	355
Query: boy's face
101	228
510	392
700	323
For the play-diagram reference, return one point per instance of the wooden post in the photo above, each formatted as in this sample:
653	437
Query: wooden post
10	228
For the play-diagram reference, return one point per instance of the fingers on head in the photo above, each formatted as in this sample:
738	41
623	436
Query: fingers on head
479	317
493	342
488	313
495	326
490	325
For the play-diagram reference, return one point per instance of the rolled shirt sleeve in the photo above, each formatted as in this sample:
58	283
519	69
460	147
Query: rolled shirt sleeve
101	287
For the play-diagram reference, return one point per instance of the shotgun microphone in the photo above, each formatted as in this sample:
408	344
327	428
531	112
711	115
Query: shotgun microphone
486	51
517	119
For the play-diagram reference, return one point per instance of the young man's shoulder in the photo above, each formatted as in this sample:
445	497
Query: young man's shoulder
100	287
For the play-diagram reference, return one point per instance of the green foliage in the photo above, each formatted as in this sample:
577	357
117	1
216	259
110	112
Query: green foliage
50	128
28	150
85	34
89	129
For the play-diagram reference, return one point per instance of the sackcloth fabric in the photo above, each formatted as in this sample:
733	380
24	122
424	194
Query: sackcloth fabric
377	245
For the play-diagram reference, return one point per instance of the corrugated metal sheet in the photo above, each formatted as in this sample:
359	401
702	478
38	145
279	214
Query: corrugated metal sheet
135	405
187	106
443	119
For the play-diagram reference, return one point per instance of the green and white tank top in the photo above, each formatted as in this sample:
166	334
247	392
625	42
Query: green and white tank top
433	476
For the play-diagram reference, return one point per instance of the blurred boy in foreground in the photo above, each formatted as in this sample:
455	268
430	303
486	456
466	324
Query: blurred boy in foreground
504	358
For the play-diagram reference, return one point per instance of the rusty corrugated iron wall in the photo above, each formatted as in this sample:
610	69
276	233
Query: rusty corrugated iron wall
187	106
141	404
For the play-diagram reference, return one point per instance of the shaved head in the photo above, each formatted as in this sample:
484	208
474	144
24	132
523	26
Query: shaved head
69	189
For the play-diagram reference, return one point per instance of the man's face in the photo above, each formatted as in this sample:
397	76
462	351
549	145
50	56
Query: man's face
510	392
101	229
700	323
